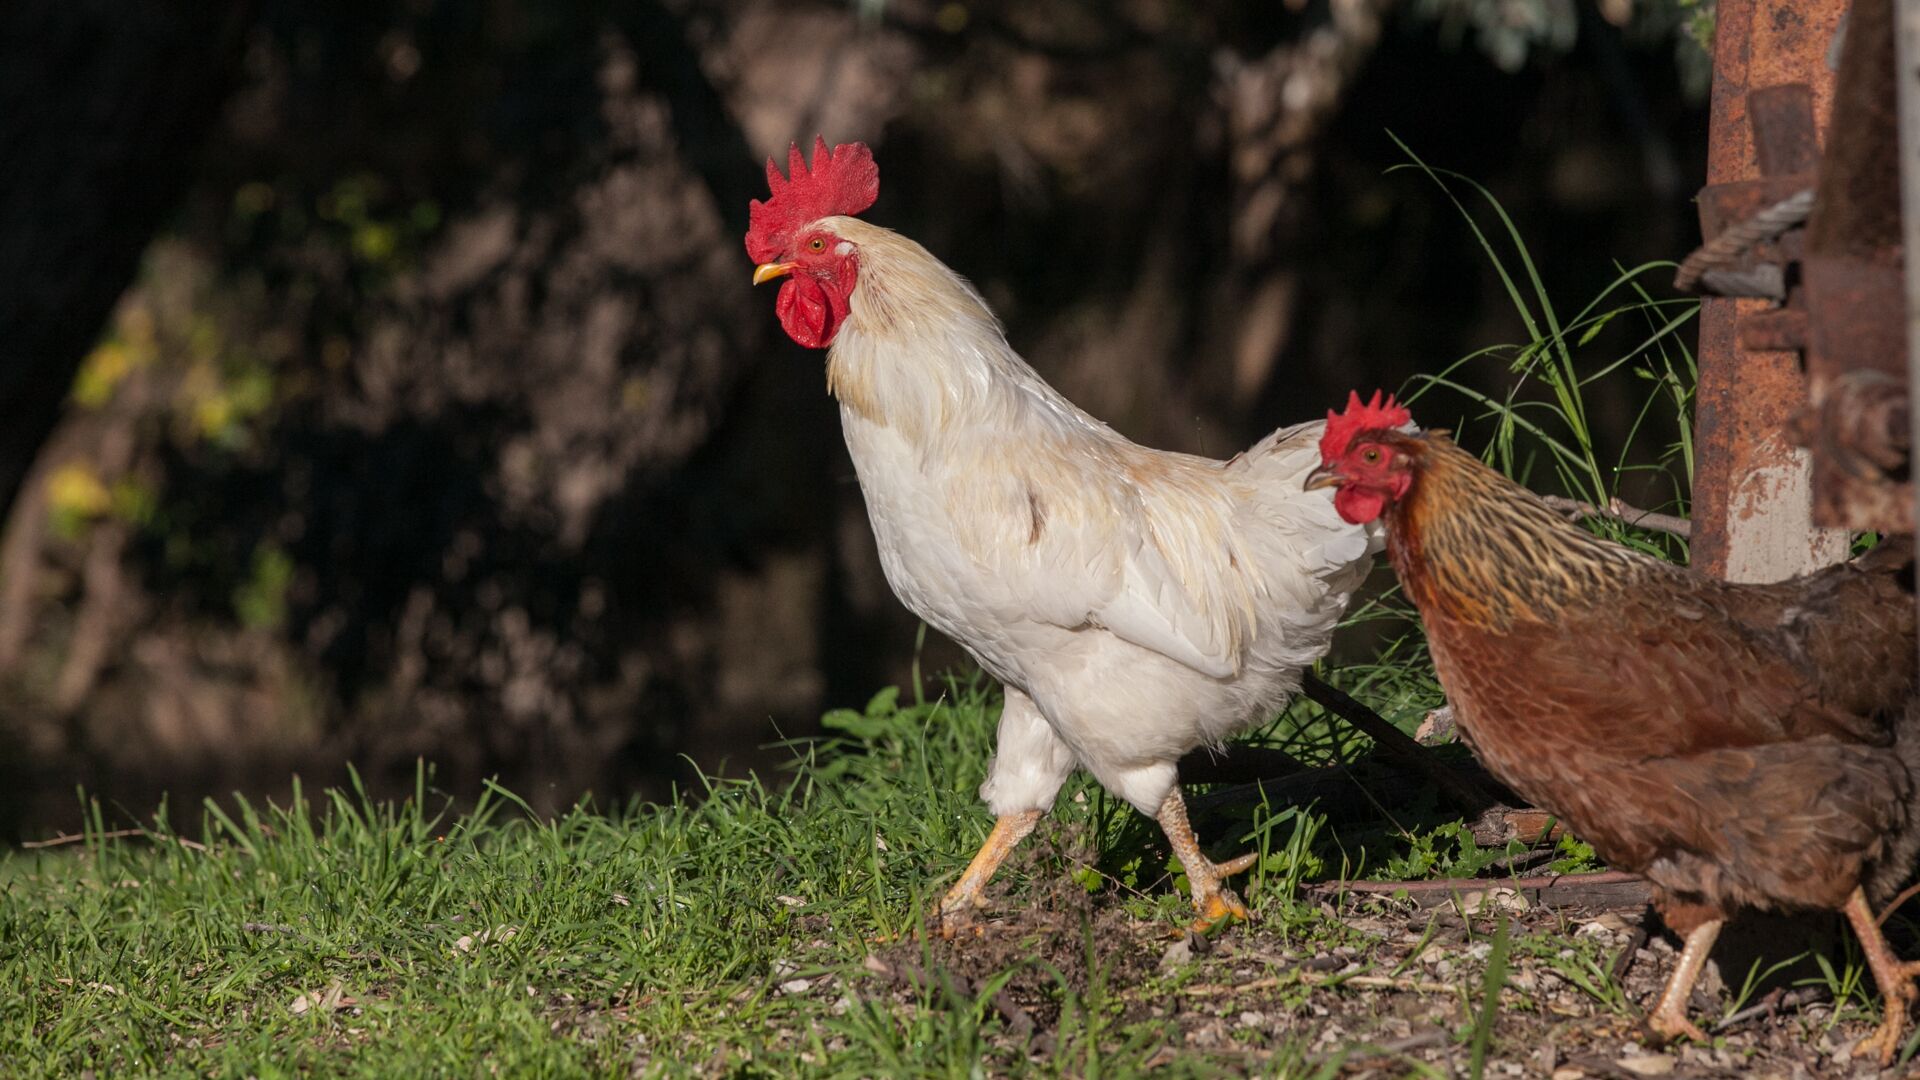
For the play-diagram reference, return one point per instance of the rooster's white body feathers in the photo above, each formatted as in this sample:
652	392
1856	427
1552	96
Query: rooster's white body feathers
1135	603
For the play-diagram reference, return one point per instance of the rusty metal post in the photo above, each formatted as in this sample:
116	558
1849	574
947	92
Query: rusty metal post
1772	89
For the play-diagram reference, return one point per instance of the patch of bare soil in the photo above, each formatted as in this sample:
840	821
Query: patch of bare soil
1378	984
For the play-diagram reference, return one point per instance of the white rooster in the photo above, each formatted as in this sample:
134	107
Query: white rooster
1135	603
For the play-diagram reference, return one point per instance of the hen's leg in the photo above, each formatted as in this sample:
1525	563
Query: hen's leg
1669	1018
1210	894
1894	978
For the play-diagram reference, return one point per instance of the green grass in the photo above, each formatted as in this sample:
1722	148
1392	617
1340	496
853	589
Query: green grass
343	936
579	945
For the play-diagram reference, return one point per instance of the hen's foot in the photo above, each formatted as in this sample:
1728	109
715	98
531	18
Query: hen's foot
968	895
1884	1044
1894	977
1669	1019
1672	1027
1215	902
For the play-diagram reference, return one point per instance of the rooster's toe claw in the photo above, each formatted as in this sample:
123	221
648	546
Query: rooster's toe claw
1218	909
1237	866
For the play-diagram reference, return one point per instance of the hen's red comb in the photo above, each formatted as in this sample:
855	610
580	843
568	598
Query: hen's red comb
843	180
1360	416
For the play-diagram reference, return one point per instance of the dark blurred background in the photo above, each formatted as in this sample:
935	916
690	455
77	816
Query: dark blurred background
383	380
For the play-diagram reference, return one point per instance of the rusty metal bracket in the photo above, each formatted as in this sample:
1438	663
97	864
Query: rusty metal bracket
1856	349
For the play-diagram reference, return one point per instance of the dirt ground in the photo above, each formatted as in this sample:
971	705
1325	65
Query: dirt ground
1383	983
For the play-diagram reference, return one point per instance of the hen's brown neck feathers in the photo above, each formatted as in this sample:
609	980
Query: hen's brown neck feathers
1471	544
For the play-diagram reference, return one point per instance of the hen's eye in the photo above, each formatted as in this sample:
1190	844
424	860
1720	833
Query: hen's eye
1370	455
816	244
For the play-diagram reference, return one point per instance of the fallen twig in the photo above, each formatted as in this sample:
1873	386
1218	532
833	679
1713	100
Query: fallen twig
1618	511
1779	1000
1595	1065
1541	881
116	834
1218	989
1307	978
1623	961
1603	889
1406	1044
1384	982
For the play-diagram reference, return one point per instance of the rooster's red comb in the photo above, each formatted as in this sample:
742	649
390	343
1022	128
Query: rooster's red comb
843	180
1360	416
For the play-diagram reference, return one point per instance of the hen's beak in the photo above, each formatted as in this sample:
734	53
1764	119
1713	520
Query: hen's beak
768	271
1323	477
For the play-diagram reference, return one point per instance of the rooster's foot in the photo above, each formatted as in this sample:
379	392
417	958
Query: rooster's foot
958	924
1219	905
968	895
953	921
1215	902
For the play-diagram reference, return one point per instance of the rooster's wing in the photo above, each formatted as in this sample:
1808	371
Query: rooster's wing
1185	556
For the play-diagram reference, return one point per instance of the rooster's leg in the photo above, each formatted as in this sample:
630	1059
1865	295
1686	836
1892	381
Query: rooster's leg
1210	894
1669	1019
970	891
1894	978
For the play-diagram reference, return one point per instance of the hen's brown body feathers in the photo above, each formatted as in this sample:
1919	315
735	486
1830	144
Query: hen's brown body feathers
1740	745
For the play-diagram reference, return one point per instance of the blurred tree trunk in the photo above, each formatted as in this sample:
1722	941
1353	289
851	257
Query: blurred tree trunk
1276	108
103	106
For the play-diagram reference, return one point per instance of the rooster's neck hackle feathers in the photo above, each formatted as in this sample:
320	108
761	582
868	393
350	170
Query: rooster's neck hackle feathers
920	350
1475	546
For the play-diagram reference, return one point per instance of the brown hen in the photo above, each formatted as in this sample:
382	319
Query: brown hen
1742	746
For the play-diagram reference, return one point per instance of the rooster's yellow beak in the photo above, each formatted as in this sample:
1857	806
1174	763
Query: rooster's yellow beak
769	271
1322	477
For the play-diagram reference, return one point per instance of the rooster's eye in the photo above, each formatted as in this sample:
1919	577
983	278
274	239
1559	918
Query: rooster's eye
816	244
1371	456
